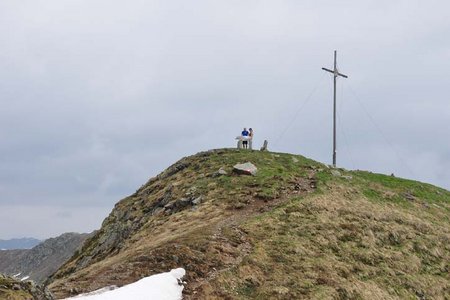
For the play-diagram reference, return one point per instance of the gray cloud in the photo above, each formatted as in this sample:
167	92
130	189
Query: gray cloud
97	96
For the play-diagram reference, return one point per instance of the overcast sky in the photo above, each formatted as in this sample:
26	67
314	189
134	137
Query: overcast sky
98	96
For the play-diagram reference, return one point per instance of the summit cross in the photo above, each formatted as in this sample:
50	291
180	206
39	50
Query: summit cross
335	73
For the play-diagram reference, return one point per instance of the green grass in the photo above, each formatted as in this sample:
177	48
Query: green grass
294	241
423	191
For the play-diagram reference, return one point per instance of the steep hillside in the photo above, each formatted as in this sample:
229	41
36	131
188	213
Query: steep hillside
12	289
42	260
296	230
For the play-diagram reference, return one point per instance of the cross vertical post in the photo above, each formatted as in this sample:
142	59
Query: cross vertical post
335	73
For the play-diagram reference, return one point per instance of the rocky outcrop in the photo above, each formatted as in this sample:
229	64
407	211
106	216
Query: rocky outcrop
11	288
42	260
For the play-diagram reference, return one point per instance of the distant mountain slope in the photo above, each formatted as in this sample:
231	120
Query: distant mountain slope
42	260
296	230
23	243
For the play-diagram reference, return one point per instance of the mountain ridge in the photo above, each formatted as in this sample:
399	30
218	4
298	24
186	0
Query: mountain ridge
298	229
18	243
39	262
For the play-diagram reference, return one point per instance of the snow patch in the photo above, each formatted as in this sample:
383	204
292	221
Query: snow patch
24	278
97	292
164	286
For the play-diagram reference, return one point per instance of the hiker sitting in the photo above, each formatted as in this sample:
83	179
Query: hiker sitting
245	137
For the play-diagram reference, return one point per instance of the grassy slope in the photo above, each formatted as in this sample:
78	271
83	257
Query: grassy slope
274	235
339	243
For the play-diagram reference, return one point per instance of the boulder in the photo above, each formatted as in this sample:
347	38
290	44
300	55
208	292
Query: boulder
220	172
246	169
335	173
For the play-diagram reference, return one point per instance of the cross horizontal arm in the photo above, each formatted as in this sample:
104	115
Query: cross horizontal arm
336	73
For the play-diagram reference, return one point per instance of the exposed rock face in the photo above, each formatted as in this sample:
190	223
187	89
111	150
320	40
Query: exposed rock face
11	288
42	260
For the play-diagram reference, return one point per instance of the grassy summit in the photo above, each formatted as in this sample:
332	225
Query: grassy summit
293	231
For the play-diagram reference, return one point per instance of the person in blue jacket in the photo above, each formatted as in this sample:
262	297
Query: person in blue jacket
245	134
